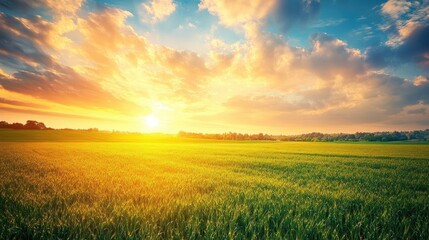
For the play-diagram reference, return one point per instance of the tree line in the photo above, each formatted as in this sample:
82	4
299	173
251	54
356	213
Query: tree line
30	124
417	135
227	136
35	125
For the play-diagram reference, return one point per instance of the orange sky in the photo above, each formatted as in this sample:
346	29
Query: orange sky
71	65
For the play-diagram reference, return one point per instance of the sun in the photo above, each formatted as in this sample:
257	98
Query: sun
151	121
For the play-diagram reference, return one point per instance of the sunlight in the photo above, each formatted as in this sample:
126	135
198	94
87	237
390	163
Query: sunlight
151	121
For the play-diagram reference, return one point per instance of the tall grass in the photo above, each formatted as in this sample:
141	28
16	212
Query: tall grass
212	190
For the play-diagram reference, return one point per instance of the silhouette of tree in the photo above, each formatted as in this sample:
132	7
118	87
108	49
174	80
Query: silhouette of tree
30	124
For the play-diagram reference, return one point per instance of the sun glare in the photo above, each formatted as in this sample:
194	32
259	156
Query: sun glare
151	121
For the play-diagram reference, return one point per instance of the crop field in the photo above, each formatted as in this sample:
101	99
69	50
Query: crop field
169	188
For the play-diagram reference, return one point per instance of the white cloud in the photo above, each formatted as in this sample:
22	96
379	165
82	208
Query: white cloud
191	25
156	10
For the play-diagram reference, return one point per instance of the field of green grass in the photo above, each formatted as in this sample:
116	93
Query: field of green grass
169	188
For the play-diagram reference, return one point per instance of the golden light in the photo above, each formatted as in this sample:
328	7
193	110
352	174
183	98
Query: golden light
151	121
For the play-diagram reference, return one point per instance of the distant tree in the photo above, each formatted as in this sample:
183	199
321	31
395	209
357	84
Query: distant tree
4	124
31	124
226	136
41	126
17	126
421	135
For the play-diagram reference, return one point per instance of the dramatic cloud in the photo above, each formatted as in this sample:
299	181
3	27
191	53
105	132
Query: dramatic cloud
249	71
393	96
105	34
65	86
21	43
157	10
413	48
408	34
330	57
330	82
39	74
127	56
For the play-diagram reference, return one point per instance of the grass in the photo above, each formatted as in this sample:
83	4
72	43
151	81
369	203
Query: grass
168	188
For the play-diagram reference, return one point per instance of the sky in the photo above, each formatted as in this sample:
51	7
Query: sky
250	66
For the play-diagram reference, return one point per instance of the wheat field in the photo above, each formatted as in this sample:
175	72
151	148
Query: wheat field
189	189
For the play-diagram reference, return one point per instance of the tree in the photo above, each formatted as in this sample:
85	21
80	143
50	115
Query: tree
31	124
4	124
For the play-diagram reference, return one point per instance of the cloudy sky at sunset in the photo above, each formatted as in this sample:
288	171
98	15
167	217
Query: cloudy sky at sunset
274	66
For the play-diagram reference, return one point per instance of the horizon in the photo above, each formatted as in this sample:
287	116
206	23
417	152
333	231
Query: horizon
164	66
204	133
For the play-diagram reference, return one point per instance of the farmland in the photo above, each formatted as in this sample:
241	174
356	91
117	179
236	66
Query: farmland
160	187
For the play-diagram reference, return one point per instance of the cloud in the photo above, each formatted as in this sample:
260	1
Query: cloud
104	34
285	13
63	85
327	83
270	58
267	57
62	8
156	10
38	74
412	49
18	43
233	13
184	73
189	25
395	8
381	56
98	62
36	29
304	100
19	6
380	99
420	80
21	104
47	113
417	111
114	64
330	56
408	33
415	48
127	56
327	23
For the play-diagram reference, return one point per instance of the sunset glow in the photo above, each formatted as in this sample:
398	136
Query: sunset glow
275	66
151	122
214	119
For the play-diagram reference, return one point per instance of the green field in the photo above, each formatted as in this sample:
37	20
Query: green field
153	187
